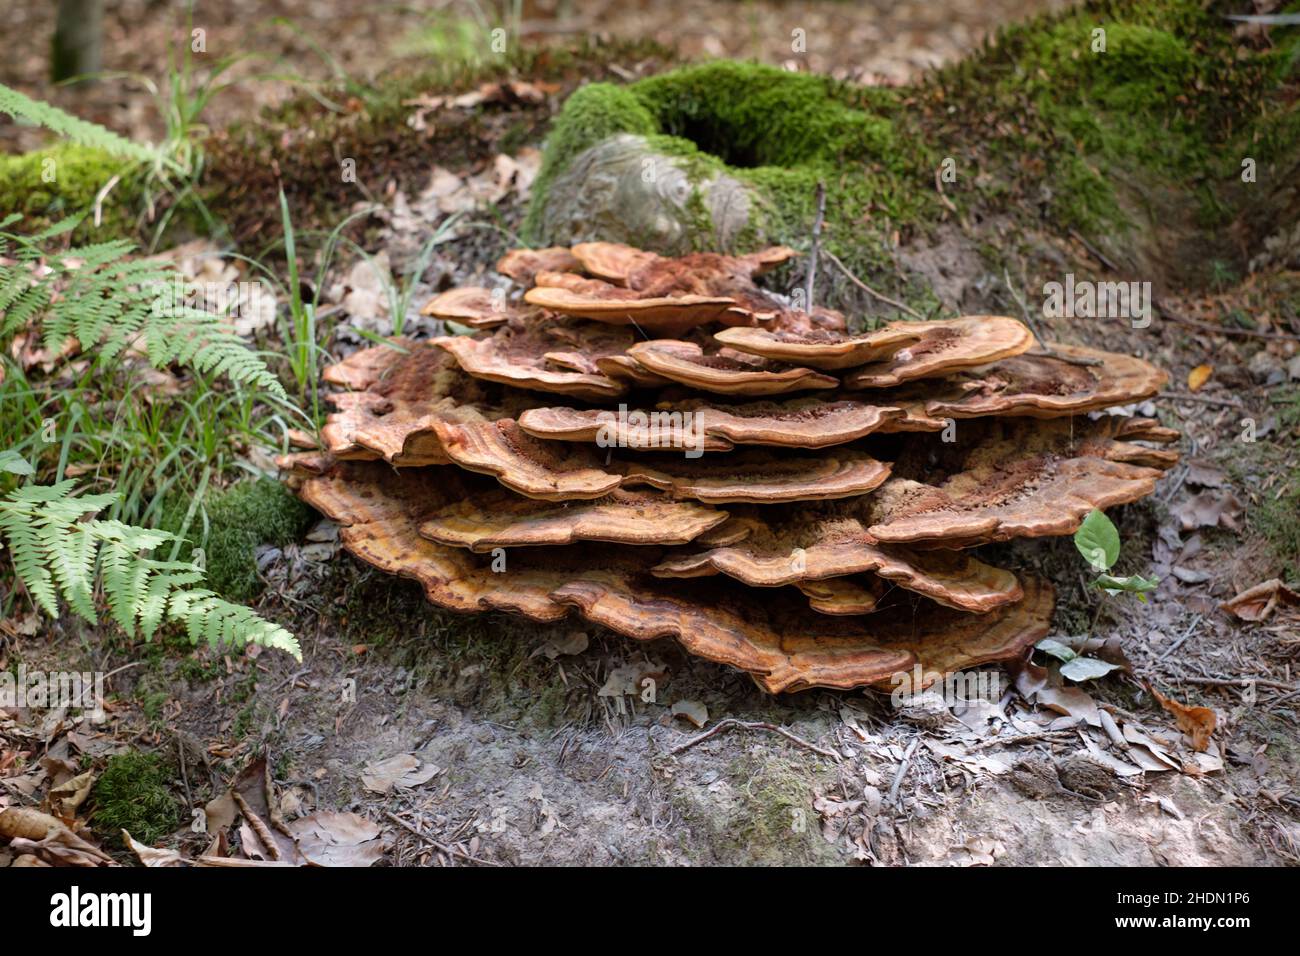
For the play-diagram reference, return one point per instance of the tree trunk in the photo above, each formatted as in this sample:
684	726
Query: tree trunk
77	39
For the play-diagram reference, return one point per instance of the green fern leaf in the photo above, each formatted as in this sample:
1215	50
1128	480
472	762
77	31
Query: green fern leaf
70	127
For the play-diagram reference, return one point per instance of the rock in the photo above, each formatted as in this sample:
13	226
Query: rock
624	190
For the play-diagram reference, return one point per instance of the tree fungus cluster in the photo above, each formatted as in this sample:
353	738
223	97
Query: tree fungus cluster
664	448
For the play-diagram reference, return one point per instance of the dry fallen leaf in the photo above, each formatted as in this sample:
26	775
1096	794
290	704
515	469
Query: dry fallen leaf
573	642
693	711
403	771
152	856
1258	602
1197	723
221	812
1198	376
1209	509
38	834
327	838
1071	701
64	799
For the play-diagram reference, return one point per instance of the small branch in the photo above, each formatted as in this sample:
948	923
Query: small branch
902	772
1176	316
731	723
943	197
437	844
867	289
1094	251
259	827
1236	682
1207	399
816	243
1019	739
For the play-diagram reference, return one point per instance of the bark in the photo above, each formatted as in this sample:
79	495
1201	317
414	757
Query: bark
77	39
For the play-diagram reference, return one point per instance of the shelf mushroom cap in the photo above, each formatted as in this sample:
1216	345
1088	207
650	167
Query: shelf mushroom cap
818	347
947	345
726	372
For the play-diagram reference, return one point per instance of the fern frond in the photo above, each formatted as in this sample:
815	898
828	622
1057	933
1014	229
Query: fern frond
77	130
107	302
55	550
219	621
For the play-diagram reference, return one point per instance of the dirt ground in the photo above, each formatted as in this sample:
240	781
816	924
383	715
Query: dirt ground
525	753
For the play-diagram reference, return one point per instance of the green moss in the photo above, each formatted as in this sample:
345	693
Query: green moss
593	113
1277	518
229	526
771	822
134	794
752	115
1157	123
50	184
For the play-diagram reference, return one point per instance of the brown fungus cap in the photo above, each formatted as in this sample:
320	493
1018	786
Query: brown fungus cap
518	355
502	519
945	346
1074	380
782	644
1019	478
715	426
400	390
726	372
821	348
522	265
476	307
560	471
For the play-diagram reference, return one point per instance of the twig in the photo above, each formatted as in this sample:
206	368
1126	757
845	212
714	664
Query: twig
185	777
1095	252
1019	739
1207	399
118	670
1236	682
943	197
1176	316
1179	643
437	844
259	827
816	243
731	723
902	771
867	289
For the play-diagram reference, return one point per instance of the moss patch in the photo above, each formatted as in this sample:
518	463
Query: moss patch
1120	113
134	794
231	523
51	184
771	821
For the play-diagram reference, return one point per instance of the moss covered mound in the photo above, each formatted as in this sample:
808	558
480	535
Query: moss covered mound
230	524
63	180
1130	120
777	133
134	794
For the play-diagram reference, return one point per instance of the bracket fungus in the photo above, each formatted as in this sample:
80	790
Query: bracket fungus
725	371
680	490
